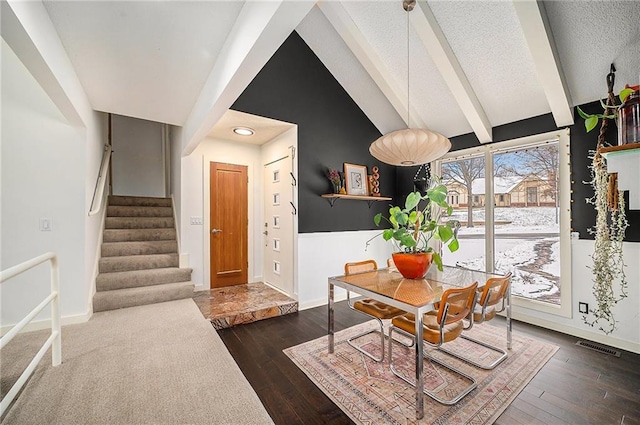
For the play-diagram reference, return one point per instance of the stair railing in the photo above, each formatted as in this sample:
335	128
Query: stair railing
54	341
98	191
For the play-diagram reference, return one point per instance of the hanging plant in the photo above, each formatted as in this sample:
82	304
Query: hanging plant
611	224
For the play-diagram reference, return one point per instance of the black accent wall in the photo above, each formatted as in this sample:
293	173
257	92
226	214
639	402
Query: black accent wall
295	86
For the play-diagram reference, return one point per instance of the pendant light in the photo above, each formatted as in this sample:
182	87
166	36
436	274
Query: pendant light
410	146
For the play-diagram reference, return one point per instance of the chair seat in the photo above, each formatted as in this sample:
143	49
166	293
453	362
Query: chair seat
489	314
431	329
377	309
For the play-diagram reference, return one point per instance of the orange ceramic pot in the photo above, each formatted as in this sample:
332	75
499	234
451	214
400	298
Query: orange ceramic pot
412	266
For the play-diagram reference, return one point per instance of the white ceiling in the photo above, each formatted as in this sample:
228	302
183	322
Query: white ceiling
151	59
265	129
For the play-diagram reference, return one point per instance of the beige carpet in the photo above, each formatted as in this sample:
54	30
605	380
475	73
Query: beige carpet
161	364
370	394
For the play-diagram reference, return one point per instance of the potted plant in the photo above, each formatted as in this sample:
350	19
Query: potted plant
611	221
412	228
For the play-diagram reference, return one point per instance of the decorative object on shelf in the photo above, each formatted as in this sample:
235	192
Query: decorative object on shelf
334	178
411	146
629	118
356	179
375	181
413	228
609	231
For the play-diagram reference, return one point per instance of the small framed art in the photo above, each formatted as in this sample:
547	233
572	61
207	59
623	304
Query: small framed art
355	177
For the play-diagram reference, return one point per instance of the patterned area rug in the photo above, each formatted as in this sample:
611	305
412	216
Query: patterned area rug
369	393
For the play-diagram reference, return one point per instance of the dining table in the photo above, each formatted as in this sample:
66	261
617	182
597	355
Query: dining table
417	296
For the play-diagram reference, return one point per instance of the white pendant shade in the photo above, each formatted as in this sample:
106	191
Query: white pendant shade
412	146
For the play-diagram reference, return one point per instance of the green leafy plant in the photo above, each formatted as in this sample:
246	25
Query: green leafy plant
412	227
591	120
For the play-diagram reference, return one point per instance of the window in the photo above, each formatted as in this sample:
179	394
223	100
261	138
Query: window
529	235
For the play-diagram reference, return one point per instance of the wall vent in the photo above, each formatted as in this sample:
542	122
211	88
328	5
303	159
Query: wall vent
597	347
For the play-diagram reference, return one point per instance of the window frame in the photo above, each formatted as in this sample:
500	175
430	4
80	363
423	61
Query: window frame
564	204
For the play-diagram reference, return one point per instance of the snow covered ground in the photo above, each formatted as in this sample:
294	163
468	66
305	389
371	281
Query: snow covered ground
520	248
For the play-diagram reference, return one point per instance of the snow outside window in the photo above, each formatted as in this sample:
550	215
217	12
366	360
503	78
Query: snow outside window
513	207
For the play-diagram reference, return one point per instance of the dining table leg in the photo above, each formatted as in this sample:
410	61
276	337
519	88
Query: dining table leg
419	367
330	315
509	317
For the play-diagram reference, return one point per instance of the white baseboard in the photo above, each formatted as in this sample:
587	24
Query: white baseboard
634	347
320	302
46	324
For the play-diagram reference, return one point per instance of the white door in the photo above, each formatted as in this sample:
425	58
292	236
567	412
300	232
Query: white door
277	231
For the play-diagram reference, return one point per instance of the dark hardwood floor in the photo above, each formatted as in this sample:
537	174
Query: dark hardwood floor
577	386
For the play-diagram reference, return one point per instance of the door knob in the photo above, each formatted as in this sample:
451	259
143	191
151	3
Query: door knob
216	230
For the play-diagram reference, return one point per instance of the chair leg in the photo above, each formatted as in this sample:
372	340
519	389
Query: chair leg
456	399
366	353
474	362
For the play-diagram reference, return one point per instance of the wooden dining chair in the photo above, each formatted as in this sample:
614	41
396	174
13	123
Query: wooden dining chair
438	328
493	292
372	308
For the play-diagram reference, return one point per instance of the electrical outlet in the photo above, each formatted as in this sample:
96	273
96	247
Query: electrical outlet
583	308
196	221
45	224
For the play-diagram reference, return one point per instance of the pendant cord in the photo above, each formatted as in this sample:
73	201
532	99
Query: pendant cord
408	72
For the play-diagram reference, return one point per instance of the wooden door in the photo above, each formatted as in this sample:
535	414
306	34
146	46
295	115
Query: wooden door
229	224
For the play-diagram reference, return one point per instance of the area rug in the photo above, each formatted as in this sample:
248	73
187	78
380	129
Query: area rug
369	393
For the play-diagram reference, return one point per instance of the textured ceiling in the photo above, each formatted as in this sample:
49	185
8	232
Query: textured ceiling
589	36
150	59
487	40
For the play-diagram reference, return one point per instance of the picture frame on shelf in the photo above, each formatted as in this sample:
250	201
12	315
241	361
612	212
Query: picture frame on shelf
355	177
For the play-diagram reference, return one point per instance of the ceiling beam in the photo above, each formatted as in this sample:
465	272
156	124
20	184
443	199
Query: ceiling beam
259	31
28	30
537	33
340	19
431	35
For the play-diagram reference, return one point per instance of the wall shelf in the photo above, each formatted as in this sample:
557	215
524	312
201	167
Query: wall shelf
333	197
624	160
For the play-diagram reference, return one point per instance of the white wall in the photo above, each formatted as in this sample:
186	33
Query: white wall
195	203
138	160
322	255
626	312
44	172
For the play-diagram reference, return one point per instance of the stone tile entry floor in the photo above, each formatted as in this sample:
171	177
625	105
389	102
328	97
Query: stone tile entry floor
235	305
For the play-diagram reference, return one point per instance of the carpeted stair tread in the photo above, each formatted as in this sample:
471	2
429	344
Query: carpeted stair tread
130	297
138	211
129	235
139	201
138	222
115	249
138	278
137	262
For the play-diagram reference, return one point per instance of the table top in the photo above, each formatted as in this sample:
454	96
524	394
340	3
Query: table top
415	292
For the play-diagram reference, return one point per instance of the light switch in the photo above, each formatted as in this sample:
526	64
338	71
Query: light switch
45	224
196	221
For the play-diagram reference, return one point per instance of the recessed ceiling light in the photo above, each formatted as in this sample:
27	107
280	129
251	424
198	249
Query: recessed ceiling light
243	131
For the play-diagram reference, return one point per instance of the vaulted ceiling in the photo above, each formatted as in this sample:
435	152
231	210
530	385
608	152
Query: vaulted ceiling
474	65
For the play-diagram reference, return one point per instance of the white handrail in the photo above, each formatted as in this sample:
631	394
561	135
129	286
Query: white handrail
101	181
54	341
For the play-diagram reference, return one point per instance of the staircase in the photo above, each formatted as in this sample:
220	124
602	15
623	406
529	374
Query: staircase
139	261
